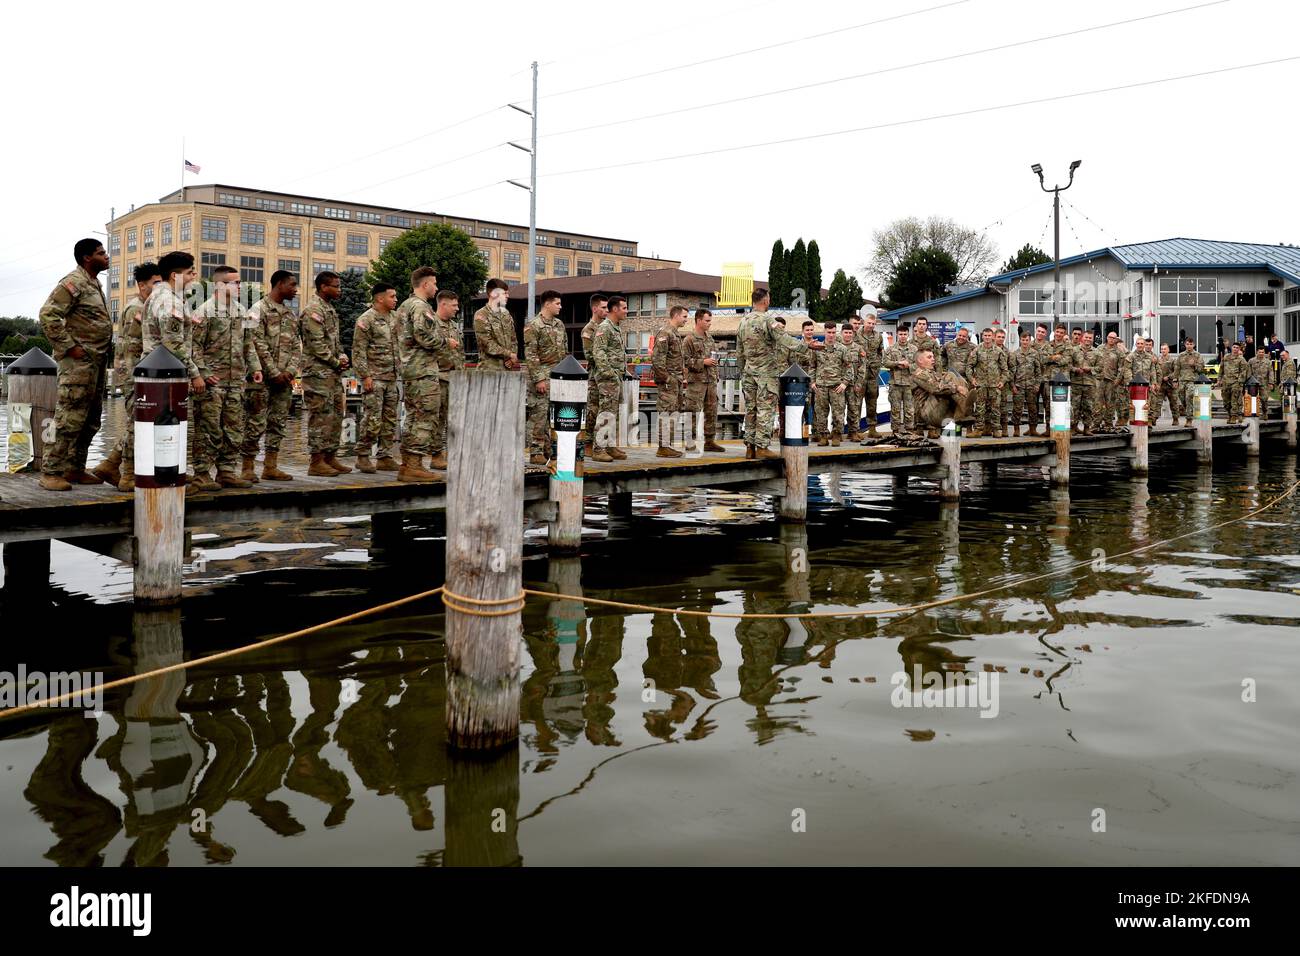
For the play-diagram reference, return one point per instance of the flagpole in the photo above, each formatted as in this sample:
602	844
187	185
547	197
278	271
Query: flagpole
181	197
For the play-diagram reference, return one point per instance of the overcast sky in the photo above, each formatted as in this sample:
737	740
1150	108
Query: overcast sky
351	101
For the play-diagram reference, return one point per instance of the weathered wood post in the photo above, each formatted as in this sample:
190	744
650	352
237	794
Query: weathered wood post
161	422
481	801
33	380
1289	412
629	413
794	443
1250	436
1204	424
1139	389
950	463
568	402
485	542
1059	417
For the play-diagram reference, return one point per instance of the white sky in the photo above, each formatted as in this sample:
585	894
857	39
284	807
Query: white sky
1211	157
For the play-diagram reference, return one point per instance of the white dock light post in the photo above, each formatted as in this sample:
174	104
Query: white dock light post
794	442
1139	390
1204	427
1251	435
1059	412
1289	411
1251	390
162	388
568	408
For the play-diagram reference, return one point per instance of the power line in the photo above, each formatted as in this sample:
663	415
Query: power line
926	119
870	73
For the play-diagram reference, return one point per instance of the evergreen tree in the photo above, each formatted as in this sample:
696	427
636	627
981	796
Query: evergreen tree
836	307
798	273
814	280
923	274
1027	256
777	284
354	301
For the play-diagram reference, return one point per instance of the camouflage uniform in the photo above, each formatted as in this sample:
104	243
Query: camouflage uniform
834	367
497	343
1261	366
956	357
902	417
169	322
669	365
608	366
1007	388
76	314
322	384
130	346
419	339
1232	377
936	397
1187	367
546	343
758	351
225	349
451	358
1169	390
988	371
267	404
374	356
1083	391
924	342
1027	374
1147	364
587	337
854	380
1113	368
702	381
873	344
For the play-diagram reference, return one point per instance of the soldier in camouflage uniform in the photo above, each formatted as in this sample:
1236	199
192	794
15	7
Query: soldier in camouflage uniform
922	340
854	380
322	384
375	361
76	321
669	364
419	341
938	396
606	372
834	377
1084	391
267	404
702	378
546	343
1165	388
1113	370
130	340
758	352
957	353
873	347
1261	366
226	354
1000	340
1026	377
1145	363
898	360
494	328
451	358
1188	366
1232	377
989	372
599	305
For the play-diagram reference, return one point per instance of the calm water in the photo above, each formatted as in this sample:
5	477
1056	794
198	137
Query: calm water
1120	689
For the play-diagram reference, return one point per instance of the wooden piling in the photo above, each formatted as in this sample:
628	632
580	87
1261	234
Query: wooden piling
159	545
1141	443
482	807
794	503
1251	437
564	531
485	498
1061	466
950	466
1289	423
1204	441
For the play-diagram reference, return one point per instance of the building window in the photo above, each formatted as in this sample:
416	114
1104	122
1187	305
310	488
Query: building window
1292	326
167	233
356	270
112	310
323	240
358	245
213	230
384	241
487	233
1289	298
290	265
130	274
584	245
510	262
229	199
114	277
148	236
539	264
606	267
607	247
115	244
561	265
487	258
185	228
209	261
514	235
290	237
626	251
318	267
628	267
270	205
302	209
403	221
562	242
363	216
130	240
584	267
252	233
541	240
333	212
251	268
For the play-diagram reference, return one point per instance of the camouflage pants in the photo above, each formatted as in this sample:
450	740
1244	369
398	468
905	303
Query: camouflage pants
1187	397
379	419
537	433
668	402
1083	405
703	397
870	394
1232	395
902	409
126	444
322	395
77	415
1168	392
1025	400
828	405
988	407
608	396
760	395
266	411
220	430
421	396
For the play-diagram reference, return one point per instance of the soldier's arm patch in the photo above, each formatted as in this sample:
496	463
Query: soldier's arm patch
70	286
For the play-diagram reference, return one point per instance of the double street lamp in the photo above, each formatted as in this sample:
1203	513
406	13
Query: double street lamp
1056	213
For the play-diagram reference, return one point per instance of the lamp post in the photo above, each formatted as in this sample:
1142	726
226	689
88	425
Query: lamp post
1138	391
1251	434
568	406
1204	427
1056	230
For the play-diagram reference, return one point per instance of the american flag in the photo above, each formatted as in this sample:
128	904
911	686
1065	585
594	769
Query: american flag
190	167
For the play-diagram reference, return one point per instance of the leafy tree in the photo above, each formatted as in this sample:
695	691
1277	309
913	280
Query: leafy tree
798	272
13	345
814	280
778	284
923	274
843	299
856	296
447	249
355	300
19	325
1026	257
39	342
972	251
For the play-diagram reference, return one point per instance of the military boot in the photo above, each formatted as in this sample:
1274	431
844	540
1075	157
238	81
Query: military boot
835	440
365	466
109	469
999	433
713	446
249	472
749	450
54	483
872	433
439	461
386	463
271	468
765	453
126	483
319	467
201	482
617	454
228	479
821	443
667	451
537	458
413	469
331	459
600	454
975	432
79	476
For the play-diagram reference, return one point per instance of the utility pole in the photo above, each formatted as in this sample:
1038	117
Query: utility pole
532	199
1056	232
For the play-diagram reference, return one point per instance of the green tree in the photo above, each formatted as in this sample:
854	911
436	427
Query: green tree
1026	257
973	251
798	274
39	342
843	299
354	301
447	249
778	284
856	296
814	280
19	325
13	345
922	275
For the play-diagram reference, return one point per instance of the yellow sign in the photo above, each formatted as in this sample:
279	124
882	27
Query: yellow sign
737	285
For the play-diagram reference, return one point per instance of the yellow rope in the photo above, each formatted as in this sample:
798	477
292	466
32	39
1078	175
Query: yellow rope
459	602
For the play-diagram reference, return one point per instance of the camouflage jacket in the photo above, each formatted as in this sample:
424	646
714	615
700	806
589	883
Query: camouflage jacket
497	342
924	341
320	339
1060	357
588	336
1234	370
873	345
696	349
1189	365
1146	364
857	364
130	339
988	366
451	354
797	351
759	347
419	339
1113	364
667	359
1026	366
956	357
277	338
1168	365
546	343
1287	373
1090	362
168	323
76	314
933	382
609	357
224	345
1261	366
900	353
374	347
834	366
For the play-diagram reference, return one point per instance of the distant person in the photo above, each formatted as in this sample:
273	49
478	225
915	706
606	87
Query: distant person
1248	350
1275	345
